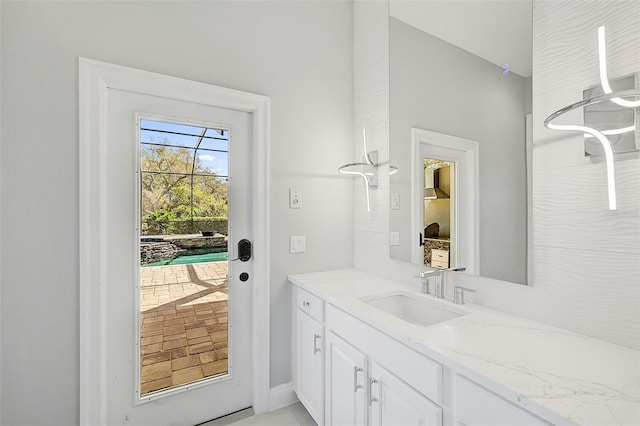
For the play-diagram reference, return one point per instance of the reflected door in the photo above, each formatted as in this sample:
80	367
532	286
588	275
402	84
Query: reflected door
444	201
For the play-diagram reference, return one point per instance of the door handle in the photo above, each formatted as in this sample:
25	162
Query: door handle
244	250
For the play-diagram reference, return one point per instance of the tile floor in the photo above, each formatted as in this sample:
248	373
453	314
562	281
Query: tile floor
292	415
184	324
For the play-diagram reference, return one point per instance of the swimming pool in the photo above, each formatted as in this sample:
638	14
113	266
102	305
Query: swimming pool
192	256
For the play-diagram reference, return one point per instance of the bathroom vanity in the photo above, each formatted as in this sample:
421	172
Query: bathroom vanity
370	350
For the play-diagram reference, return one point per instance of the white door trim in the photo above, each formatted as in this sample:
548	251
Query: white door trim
469	149
95	80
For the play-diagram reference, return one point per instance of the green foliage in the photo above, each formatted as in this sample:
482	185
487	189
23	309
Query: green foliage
166	186
150	226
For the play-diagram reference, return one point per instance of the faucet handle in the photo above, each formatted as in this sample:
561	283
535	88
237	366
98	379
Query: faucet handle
458	294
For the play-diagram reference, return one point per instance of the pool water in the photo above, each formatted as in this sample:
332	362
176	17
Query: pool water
187	258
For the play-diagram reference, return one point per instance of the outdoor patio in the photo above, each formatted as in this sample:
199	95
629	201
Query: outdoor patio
184	324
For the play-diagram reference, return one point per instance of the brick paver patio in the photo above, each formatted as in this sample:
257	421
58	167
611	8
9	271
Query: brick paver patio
184	324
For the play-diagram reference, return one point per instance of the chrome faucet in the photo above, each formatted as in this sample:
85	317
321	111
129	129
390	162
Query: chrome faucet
439	274
424	278
441	290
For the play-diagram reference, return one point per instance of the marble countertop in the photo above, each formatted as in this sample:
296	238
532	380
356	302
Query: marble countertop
562	376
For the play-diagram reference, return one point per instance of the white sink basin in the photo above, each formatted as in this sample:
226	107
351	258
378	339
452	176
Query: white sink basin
413	308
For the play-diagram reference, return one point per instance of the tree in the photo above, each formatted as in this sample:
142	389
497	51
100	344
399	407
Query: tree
167	176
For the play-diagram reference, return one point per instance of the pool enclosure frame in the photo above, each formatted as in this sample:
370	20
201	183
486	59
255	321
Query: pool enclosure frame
224	136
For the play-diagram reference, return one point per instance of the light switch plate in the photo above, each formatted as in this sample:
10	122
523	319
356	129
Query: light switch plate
394	238
295	198
298	244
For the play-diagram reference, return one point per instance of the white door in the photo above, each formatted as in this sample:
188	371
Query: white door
310	386
201	399
393	402
346	384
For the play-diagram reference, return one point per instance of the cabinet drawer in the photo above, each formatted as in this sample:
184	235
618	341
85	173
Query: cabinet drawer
442	255
312	305
477	406
439	264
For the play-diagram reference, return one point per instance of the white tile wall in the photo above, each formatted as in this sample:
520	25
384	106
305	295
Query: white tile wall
371	103
586	258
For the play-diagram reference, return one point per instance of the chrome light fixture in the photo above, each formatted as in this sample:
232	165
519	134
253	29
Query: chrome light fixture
626	98
367	169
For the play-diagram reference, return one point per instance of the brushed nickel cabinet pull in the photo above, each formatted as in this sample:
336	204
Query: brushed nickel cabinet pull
356	385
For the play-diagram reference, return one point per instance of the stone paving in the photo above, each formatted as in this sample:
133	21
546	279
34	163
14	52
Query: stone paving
183	334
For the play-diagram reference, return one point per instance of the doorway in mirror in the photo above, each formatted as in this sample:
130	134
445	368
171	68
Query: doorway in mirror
444	200
439	212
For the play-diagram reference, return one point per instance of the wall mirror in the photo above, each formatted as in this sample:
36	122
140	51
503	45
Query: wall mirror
460	90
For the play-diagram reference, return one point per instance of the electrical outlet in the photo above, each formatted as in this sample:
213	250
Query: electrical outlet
295	198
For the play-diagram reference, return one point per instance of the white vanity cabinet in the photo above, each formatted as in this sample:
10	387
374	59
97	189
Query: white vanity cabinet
375	380
383	370
349	373
359	391
310	354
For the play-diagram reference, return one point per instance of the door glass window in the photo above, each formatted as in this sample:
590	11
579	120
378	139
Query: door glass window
183	254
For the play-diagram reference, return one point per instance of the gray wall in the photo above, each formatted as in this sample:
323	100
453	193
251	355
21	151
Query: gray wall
298	53
439	87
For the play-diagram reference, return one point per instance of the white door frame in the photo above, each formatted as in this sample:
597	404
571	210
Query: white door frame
96	78
469	249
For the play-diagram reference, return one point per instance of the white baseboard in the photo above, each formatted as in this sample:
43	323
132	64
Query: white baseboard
281	396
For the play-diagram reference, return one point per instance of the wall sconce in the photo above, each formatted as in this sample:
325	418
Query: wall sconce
368	169
624	98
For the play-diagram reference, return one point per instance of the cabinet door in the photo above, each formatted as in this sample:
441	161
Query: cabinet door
310	372
393	402
346	384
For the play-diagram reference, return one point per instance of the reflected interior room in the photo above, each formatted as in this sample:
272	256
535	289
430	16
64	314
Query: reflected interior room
439	203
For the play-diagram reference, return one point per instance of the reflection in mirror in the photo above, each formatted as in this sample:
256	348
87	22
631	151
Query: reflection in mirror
454	72
439	218
444	193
